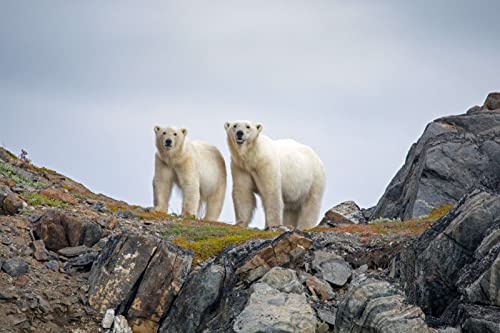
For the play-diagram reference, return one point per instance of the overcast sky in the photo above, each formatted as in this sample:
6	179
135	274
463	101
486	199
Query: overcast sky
82	83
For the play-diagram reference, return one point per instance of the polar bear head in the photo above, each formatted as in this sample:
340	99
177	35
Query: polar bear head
169	138
242	131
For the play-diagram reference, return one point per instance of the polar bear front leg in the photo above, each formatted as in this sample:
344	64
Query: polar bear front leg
162	185
268	182
243	195
190	186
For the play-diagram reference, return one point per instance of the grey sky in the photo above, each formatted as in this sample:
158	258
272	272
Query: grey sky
83	83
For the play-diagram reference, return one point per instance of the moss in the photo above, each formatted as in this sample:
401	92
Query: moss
115	206
414	226
28	165
36	199
10	172
151	215
208	239
439	212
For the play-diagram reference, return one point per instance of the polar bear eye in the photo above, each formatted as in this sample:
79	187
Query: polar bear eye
234	126
175	134
164	133
248	127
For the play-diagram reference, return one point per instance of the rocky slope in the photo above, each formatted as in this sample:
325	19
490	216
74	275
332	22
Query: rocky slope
75	261
454	155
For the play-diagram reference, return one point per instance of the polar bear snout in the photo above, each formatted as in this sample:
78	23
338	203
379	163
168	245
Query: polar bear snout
239	137
168	143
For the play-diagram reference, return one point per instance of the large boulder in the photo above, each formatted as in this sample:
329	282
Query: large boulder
454	266
139	277
270	310
347	212
454	155
377	306
60	229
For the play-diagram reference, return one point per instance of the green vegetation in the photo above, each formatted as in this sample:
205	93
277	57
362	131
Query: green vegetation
10	172
208	239
384	226
35	199
439	212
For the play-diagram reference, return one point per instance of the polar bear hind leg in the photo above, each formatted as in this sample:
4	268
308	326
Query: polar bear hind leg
310	208
214	204
290	217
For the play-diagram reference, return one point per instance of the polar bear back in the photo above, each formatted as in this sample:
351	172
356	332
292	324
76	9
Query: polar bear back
300	168
211	166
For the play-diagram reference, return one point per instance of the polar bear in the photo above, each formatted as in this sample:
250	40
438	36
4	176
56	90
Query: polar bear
288	176
196	167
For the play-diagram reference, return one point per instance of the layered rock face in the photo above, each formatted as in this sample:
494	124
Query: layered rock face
140	277
375	305
454	155
452	270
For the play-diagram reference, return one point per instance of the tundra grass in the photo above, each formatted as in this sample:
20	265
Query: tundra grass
208	239
35	199
10	172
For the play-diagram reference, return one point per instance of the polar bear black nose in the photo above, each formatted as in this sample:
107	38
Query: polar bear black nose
239	134
168	142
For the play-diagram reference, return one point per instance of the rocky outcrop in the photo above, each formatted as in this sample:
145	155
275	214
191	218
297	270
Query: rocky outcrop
344	213
454	155
60	229
211	298
139	277
452	270
374	305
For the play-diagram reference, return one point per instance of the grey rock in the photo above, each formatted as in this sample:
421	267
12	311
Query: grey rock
454	155
75	251
377	306
326	312
480	319
332	268
82	263
120	325
53	265
344	213
283	279
492	102
447	262
269	310
15	267
450	330
108	319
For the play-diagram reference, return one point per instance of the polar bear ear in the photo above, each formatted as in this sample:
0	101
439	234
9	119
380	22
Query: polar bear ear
227	125
259	127
157	129
184	131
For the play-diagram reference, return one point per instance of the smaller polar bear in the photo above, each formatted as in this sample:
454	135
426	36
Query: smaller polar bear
196	167
288	176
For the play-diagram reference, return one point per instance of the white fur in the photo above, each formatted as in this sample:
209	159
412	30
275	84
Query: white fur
288	176
196	167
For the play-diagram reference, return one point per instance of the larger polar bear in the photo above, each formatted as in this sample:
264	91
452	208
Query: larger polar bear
288	176
196	167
